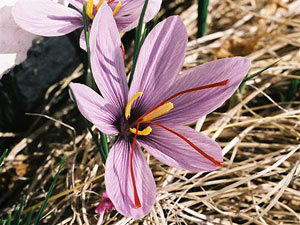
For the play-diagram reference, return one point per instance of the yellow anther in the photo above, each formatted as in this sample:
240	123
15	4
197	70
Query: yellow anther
159	111
129	104
99	4
117	8
90	8
144	132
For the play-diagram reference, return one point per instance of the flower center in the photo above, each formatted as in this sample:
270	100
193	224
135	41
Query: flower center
158	111
92	9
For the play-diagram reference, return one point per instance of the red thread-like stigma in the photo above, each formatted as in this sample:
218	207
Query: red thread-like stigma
111	1
221	83
217	163
136	197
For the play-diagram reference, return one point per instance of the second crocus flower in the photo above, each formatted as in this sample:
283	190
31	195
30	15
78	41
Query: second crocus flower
46	18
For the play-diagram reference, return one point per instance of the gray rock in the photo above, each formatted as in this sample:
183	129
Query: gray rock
24	87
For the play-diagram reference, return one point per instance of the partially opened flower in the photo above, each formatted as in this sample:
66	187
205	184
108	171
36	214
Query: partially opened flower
153	112
46	18
105	204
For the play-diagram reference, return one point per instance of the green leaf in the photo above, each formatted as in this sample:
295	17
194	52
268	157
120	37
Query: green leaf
3	156
249	77
37	220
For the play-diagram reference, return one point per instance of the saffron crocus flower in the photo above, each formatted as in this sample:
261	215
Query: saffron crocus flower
46	18
153	113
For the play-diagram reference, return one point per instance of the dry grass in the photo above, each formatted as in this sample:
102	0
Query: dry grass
259	131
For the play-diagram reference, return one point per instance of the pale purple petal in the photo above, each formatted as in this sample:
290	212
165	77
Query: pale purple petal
107	58
128	16
119	184
95	109
82	42
160	60
46	18
14	41
191	106
173	151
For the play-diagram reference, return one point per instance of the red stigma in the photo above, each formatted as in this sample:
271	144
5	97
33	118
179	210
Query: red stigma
218	84
111	1
136	197
217	163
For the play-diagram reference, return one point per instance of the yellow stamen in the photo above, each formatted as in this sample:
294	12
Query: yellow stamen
89	9
117	8
99	4
159	111
129	104
144	132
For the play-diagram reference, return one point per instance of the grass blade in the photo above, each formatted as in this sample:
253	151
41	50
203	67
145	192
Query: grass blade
3	156
8	222
249	77
29	216
37	220
18	213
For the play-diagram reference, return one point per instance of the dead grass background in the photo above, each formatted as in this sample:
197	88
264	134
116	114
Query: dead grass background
259	131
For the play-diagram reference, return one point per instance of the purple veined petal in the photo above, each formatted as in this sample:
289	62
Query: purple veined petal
173	151
128	16
107	58
160	60
191	106
94	108
46	18
119	184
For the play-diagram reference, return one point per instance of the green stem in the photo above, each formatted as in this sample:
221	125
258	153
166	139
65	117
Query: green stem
202	16
91	82
103	148
137	42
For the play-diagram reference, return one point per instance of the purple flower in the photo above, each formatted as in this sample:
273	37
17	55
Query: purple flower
46	18
105	204
153	112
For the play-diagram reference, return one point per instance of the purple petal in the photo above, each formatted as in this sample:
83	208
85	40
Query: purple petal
46	18
173	151
160	60
94	108
128	16
82	42
119	184
191	106
105	204
107	58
